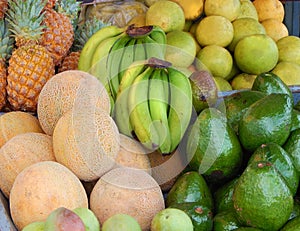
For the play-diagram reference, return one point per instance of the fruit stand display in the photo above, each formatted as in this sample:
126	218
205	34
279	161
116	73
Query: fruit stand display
149	115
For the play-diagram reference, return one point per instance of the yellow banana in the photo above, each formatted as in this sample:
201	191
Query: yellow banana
99	58
180	110
139	112
113	63
121	112
90	46
159	106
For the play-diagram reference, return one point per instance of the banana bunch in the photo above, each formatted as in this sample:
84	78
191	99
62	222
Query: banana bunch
154	104
109	52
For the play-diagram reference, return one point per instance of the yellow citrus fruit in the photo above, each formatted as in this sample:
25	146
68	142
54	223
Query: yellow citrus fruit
138	20
181	48
289	49
289	72
243	27
256	53
192	8
216	59
230	9
214	30
222	84
275	29
248	10
243	81
166	14
267	9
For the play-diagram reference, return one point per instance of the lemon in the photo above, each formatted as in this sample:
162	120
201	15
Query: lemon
275	29
166	14
214	30
192	8
289	49
248	10
181	48
230	9
288	72
267	9
255	54
243	81
222	84
217	59
243	27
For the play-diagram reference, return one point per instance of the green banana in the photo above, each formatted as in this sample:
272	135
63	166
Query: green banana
127	58
99	58
113	63
139	50
158	104
158	35
121	112
90	46
153	49
139	112
180	110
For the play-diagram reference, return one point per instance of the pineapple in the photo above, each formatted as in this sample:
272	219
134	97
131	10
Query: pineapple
70	62
30	65
3	8
6	46
82	33
58	35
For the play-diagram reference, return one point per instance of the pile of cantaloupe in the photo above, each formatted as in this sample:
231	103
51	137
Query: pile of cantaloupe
71	154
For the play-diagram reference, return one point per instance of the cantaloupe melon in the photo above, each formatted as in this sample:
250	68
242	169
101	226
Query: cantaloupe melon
87	142
20	152
267	9
17	122
41	188
130	191
62	91
132	154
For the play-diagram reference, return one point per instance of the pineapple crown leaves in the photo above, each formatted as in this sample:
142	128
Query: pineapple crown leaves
6	41
70	8
25	19
85	30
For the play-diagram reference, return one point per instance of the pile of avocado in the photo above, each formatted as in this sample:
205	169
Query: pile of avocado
243	158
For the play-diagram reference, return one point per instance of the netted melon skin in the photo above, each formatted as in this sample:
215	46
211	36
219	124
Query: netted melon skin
129	191
86	143
62	91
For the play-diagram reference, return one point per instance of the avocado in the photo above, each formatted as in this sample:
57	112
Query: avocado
281	160
267	120
234	105
247	229
190	187
226	221
201	216
261	197
213	149
292	225
292	147
223	196
296	209
295	119
269	83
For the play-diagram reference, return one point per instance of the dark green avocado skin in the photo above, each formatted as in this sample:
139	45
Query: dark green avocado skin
261	197
281	160
267	120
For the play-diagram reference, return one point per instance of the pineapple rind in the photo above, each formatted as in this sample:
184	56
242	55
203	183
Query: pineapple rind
30	67
25	19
